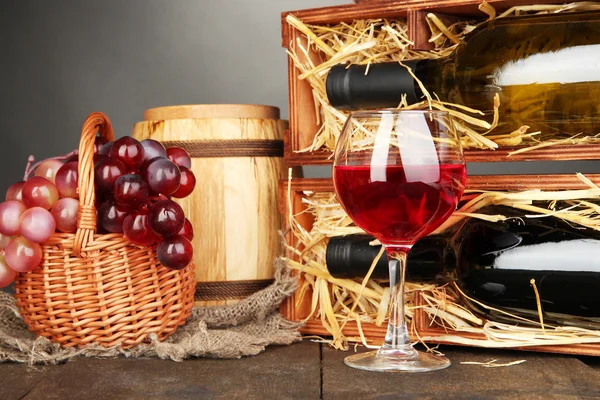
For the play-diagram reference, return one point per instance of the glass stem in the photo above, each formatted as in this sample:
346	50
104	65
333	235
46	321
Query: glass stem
397	341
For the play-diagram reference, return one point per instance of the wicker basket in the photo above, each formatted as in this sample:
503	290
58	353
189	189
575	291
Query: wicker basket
101	289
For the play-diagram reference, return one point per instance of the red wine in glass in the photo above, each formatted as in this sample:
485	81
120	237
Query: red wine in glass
394	208
399	175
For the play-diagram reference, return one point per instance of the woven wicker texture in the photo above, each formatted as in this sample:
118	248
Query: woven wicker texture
101	288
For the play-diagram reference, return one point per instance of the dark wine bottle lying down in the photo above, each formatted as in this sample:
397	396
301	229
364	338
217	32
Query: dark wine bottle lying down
494	262
542	67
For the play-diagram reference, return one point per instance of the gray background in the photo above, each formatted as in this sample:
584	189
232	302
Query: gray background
62	59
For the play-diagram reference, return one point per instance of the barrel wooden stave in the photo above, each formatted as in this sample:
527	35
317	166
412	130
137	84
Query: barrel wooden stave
234	207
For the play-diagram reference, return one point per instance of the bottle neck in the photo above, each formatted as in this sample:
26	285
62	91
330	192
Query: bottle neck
432	75
351	256
383	86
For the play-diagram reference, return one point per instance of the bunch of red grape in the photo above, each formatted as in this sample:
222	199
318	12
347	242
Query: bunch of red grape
135	182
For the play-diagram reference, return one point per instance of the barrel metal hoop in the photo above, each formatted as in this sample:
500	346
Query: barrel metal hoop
230	147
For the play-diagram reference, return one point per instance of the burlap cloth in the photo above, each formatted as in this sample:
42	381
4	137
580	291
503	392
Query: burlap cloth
243	329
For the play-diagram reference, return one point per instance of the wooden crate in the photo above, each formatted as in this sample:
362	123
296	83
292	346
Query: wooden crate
296	310
303	126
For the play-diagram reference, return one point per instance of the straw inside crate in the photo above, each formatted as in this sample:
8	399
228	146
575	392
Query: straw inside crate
339	301
380	40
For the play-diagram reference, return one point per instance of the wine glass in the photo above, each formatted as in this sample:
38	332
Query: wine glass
399	175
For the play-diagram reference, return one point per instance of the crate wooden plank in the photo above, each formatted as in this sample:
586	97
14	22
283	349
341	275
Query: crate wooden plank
395	9
297	309
303	118
552	153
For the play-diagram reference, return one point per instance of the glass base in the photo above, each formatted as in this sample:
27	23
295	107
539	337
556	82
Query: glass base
413	362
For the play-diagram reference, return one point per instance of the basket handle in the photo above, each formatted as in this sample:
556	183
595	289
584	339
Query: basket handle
96	122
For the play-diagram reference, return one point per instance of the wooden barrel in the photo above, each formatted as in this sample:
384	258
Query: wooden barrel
237	157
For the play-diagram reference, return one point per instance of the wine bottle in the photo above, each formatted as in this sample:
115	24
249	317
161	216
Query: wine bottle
494	262
351	256
545	68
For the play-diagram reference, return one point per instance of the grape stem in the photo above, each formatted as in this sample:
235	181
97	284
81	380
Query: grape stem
153	199
31	160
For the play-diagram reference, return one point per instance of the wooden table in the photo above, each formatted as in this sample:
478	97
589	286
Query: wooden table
304	371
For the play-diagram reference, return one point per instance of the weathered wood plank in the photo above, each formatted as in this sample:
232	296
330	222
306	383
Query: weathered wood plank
286	372
542	376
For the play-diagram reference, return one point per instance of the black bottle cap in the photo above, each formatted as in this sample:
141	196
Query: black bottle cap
351	256
348	88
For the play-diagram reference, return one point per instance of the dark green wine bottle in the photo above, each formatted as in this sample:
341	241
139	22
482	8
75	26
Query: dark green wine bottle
545	69
494	262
